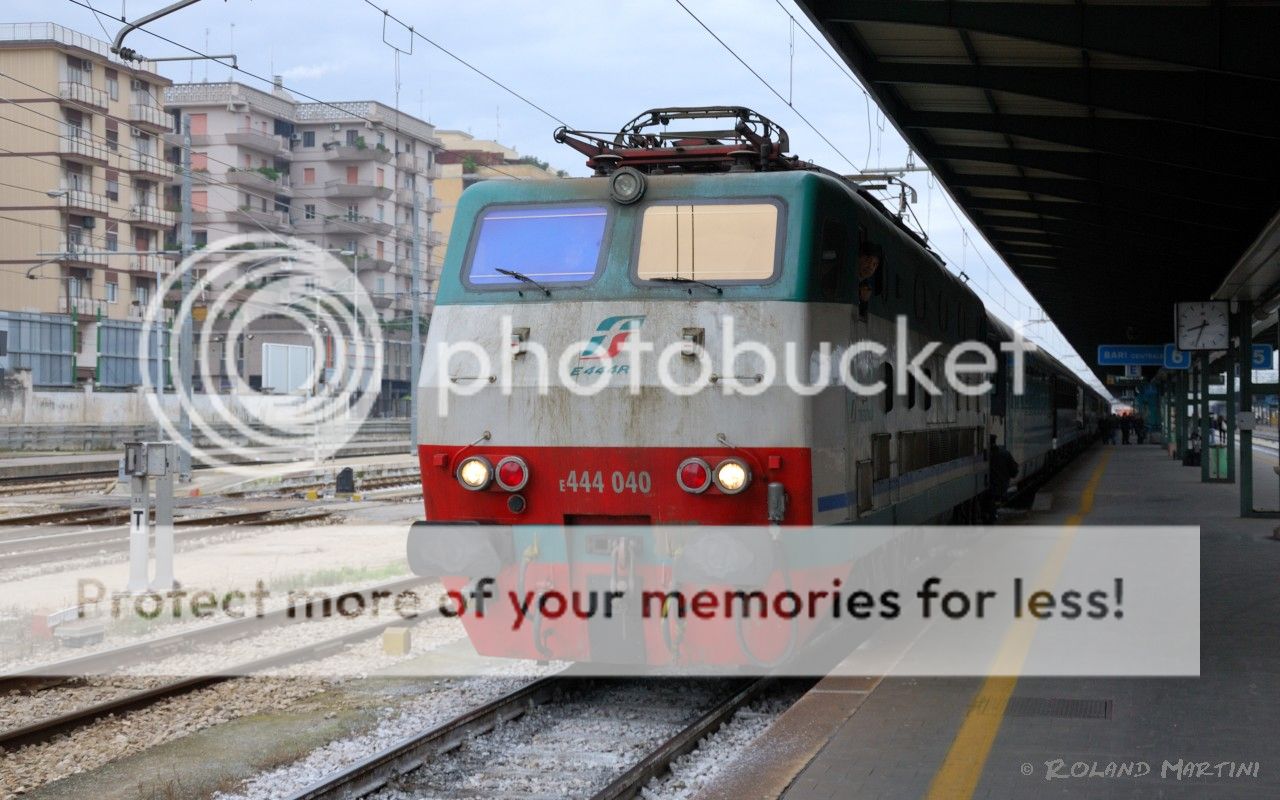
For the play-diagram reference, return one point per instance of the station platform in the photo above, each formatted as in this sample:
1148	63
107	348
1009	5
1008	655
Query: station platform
958	738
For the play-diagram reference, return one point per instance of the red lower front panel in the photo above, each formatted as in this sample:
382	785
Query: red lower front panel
576	490
628	485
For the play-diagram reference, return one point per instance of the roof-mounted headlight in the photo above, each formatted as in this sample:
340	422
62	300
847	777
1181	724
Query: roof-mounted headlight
626	185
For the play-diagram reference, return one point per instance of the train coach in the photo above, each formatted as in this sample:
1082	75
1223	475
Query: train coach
539	414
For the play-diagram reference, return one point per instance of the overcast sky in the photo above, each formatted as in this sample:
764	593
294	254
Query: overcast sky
592	65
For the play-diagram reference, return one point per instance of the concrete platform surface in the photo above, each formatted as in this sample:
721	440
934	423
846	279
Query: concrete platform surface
1212	736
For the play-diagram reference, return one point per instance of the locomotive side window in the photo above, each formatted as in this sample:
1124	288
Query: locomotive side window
870	271
709	241
547	244
832	260
888	387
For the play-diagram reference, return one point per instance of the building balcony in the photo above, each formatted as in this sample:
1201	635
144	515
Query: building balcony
83	201
303	226
149	216
376	264
77	254
382	301
255	180
411	162
271	220
261	141
138	312
342	152
83	94
404	196
431	173
150	118
77	145
148	166
434	239
340	224
341	188
85	306
150	266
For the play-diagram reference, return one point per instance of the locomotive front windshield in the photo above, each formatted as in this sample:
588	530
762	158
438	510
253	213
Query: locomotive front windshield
717	242
548	244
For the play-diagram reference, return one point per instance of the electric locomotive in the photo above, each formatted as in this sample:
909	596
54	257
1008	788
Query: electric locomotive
541	417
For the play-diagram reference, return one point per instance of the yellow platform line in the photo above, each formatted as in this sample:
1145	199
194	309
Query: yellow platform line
958	776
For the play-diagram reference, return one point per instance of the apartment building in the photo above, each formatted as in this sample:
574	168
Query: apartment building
345	176
464	160
82	225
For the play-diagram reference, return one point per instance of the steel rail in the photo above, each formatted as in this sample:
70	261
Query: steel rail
44	730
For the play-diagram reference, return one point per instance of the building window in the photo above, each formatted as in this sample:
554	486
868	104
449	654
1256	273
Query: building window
113	235
309	175
382	213
353	213
200	239
113	185
113	135
308	138
309	211
382	178
113	84
351	245
113	291
141	294
353	136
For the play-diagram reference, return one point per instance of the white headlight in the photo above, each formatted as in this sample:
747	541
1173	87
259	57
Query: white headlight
475	473
732	476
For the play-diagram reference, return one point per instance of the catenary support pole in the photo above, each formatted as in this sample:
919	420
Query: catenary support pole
185	333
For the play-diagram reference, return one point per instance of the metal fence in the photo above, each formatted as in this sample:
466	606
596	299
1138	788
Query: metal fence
118	362
42	343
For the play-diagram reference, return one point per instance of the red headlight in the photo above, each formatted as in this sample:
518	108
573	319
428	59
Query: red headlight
693	475
512	473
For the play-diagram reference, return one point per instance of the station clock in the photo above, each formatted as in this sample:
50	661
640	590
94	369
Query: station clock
1203	325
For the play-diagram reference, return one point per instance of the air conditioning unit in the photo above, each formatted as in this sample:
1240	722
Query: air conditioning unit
86	65
295	137
335	127
237	105
136	85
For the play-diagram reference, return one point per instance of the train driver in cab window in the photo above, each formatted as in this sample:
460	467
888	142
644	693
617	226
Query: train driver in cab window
870	259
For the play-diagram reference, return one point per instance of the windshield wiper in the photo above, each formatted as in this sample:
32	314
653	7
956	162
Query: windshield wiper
678	279
523	279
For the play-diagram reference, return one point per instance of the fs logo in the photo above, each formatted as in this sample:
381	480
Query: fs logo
610	334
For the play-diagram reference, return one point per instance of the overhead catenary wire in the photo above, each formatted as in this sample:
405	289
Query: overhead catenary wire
766	84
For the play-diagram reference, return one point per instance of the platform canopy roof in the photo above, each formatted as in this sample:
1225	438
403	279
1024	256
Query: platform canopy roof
1120	156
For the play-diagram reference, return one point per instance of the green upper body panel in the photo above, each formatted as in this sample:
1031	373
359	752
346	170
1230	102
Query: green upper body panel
820	214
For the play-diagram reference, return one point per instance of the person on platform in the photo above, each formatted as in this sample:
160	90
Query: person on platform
1126	428
1004	468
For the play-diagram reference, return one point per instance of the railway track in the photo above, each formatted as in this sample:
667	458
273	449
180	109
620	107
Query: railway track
22	548
52	675
95	481
415	752
406	478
